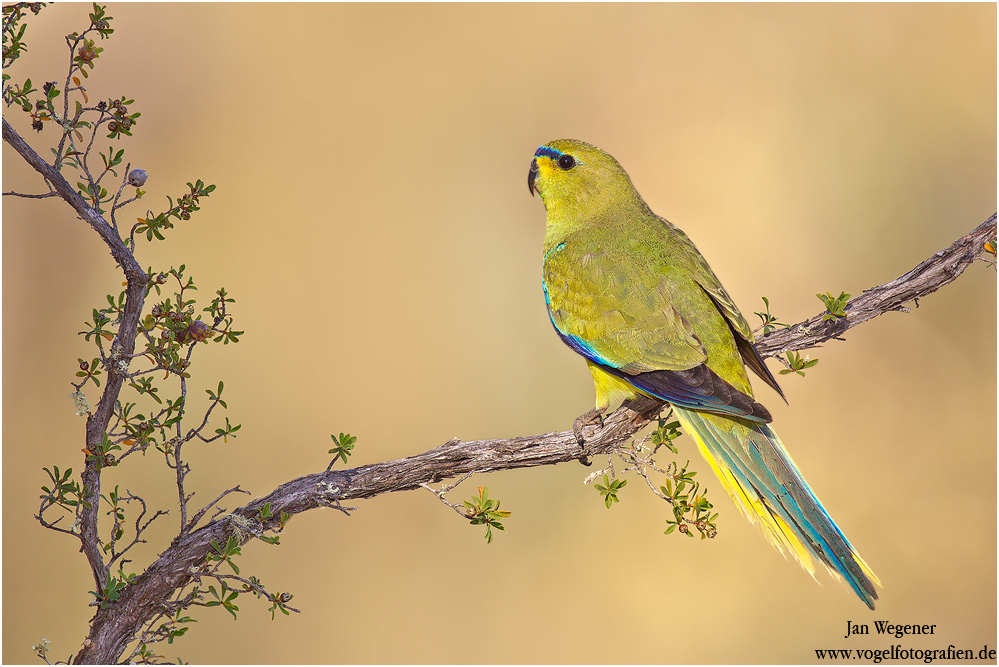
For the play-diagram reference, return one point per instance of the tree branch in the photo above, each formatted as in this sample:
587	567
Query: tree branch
121	349
927	277
18	194
114	627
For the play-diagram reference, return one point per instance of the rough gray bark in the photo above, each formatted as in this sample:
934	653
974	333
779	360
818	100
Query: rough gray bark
927	277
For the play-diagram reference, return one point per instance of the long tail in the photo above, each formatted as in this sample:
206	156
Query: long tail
762	480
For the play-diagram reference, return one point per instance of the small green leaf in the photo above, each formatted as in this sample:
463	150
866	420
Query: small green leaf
835	305
344	446
609	490
797	363
482	510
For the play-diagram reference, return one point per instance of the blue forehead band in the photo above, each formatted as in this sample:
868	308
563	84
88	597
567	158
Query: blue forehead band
545	151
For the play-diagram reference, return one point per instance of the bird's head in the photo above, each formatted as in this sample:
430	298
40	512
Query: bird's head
577	180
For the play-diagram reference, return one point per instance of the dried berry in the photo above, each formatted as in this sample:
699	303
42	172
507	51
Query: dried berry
137	177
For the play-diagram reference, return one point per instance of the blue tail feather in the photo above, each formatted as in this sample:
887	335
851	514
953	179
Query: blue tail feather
751	456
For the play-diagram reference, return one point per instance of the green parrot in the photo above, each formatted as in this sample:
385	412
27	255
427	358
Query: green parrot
628	291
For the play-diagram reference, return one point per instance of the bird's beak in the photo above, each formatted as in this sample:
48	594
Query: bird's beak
532	175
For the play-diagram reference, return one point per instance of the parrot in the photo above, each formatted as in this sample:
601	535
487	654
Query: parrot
630	292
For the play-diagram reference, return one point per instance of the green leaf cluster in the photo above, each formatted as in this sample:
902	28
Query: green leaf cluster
175	626
797	363
13	29
769	321
609	489
835	305
691	507
65	491
666	432
225	596
52	106
13	46
91	370
483	510
153	225
110	592
114	500
278	600
170	331
220	553
265	514
225	599
100	452
343	446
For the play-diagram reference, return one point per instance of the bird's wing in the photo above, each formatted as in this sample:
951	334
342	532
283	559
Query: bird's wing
622	313
697	266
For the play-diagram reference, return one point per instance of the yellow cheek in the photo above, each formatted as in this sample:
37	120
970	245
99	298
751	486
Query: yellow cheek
544	177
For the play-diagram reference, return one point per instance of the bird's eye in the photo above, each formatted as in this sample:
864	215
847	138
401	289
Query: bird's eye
566	162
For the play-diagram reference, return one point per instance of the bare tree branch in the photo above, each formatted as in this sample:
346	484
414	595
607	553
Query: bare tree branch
927	277
19	194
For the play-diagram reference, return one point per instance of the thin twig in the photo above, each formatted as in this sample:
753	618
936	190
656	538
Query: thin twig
197	517
19	194
445	489
255	587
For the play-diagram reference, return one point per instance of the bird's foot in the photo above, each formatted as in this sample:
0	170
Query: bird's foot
594	417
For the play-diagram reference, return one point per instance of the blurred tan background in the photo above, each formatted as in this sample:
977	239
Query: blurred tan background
372	221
